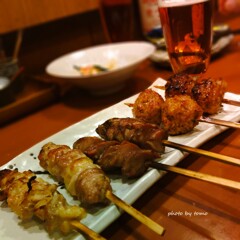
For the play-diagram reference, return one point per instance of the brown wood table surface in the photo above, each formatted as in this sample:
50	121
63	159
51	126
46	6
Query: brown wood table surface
187	208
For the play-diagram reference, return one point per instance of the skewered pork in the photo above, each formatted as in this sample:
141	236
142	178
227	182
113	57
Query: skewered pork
207	92
81	177
112	155
30	196
145	135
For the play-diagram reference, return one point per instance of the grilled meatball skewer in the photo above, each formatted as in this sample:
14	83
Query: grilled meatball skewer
148	106
207	92
113	155
178	114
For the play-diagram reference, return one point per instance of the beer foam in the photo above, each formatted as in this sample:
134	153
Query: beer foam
176	3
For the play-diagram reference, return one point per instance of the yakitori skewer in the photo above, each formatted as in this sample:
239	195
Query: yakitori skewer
28	196
207	92
112	155
178	114
84	179
149	136
224	100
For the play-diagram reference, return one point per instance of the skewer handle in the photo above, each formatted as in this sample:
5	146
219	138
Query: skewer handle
215	156
89	232
220	122
200	176
231	102
136	214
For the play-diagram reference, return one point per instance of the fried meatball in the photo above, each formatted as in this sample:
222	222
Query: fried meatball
209	94
148	107
180	114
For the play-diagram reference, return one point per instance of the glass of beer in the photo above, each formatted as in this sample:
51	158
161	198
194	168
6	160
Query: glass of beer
187	29
117	19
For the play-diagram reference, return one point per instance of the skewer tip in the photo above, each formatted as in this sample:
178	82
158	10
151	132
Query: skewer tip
136	214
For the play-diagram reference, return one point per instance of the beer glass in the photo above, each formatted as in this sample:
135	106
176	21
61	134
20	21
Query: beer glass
117	19
187	29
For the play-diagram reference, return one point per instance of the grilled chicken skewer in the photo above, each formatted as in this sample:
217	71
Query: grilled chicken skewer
149	136
104	154
85	180
28	196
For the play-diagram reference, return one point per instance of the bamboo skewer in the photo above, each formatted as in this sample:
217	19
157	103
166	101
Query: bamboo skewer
215	156
219	122
231	102
196	175
84	229
136	214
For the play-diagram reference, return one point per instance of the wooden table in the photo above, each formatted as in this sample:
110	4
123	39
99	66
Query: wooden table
215	210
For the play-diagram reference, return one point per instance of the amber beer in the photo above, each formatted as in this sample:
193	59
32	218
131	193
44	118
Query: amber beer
117	17
187	28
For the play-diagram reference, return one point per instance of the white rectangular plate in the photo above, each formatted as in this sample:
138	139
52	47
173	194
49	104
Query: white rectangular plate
12	228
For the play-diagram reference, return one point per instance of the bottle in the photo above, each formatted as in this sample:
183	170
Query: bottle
149	14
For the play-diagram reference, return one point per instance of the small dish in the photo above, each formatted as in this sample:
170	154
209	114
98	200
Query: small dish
119	61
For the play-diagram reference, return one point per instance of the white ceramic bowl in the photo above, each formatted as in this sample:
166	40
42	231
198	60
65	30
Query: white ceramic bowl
126	57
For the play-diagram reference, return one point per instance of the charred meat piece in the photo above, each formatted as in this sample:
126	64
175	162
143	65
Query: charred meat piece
128	157
81	176
125	156
180	114
209	93
145	135
148	106
30	196
179	84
